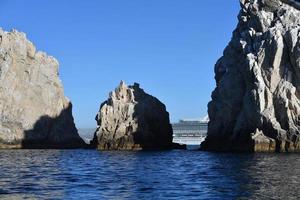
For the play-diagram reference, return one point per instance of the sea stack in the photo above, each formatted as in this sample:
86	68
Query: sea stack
132	120
34	113
256	104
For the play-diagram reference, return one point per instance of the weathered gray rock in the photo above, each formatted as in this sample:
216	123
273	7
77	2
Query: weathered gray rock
132	120
256	104
34	113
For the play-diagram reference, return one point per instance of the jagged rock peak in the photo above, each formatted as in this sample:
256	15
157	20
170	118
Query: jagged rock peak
269	5
34	113
122	93
256	103
132	120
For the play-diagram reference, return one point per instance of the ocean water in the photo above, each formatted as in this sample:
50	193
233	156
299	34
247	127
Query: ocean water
177	174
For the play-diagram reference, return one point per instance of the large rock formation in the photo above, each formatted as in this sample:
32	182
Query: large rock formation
256	104
33	110
132	120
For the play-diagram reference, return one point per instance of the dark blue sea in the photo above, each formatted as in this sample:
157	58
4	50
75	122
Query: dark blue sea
177	174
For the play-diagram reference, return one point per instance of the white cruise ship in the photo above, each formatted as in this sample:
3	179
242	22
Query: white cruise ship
190	132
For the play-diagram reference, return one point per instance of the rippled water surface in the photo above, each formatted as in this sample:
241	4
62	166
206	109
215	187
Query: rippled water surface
89	174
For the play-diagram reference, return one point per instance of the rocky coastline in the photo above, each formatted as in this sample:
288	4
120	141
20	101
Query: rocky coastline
34	113
132	120
256	104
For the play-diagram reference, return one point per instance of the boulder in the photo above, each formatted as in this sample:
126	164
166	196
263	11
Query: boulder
256	104
132	120
34	113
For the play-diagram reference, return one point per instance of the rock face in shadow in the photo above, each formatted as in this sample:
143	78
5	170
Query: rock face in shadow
256	104
34	113
132	120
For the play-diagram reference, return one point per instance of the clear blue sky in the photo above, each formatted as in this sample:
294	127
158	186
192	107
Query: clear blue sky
168	46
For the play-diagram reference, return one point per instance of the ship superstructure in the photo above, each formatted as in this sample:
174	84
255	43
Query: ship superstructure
189	132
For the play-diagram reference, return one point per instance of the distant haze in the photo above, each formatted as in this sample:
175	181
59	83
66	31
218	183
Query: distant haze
86	133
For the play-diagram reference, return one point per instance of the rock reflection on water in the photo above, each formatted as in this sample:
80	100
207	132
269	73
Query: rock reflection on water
275	176
89	174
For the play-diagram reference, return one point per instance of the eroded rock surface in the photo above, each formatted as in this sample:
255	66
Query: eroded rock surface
256	104
34	113
132	120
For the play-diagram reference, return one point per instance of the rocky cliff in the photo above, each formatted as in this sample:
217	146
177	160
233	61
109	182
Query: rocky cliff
132	120
34	113
256	104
